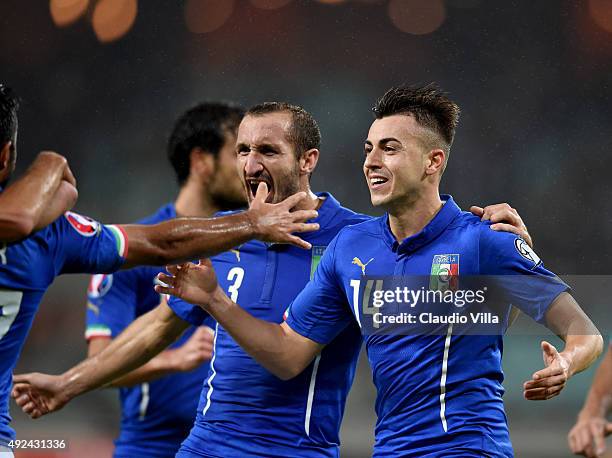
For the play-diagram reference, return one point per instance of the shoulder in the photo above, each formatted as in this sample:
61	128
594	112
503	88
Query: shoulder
370	227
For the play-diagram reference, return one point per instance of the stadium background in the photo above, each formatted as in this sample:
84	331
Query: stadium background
102	82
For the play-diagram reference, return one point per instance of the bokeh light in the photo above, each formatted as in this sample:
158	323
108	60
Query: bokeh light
203	16
112	19
416	16
270	4
601	12
65	12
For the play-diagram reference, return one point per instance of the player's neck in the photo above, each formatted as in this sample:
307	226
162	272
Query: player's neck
193	201
411	217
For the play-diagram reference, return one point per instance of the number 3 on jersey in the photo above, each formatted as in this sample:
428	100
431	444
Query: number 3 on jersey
235	275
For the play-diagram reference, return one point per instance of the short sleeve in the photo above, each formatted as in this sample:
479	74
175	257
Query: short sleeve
320	312
82	245
519	272
190	313
112	301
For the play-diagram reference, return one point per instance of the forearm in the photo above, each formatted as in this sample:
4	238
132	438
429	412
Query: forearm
268	343
599	399
161	365
64	199
582	351
26	201
185	239
140	342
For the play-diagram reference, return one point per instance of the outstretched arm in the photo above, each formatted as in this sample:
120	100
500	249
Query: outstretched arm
587	437
195	351
277	347
41	195
39	394
583	344
183	239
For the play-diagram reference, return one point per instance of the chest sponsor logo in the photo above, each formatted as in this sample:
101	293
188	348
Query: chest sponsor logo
359	263
444	272
85	226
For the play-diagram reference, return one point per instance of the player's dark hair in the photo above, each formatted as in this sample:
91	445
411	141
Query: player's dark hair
9	104
304	133
429	105
203	126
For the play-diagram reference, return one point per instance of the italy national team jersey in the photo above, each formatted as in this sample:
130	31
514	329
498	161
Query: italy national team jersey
155	416
244	410
439	395
71	244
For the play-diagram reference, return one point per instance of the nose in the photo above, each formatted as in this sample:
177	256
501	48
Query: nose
373	160
253	165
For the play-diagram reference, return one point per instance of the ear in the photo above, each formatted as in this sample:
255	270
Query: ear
5	156
201	163
434	162
308	161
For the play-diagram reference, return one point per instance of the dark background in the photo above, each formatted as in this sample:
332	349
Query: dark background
532	79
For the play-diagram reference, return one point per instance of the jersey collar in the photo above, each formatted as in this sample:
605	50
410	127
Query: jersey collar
434	228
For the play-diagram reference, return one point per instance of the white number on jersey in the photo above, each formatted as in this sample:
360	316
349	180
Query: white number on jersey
3	248
10	302
236	274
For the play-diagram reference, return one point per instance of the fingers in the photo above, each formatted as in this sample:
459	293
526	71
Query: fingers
545	382
548	348
543	394
477	211
298	242
598	438
504	227
304	215
293	200
551	371
25	379
261	194
304	227
608	429
164	290
168	280
490	210
206	262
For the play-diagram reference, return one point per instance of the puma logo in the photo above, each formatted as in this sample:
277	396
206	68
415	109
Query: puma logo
237	253
363	266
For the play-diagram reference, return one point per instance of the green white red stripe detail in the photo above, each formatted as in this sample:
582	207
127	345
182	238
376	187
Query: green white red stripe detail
120	239
97	330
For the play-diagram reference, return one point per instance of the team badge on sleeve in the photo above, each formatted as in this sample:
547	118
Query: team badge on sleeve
99	285
527	252
85	226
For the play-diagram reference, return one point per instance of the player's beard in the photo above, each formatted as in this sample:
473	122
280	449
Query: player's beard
286	185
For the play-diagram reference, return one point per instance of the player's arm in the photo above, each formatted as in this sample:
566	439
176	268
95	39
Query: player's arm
277	347
197	349
587	437
36	199
39	394
583	344
183	239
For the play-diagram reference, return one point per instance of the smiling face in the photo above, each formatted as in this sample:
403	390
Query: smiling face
265	153
399	161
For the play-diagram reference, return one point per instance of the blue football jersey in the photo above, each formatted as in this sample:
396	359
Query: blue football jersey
438	395
244	410
71	244
155	416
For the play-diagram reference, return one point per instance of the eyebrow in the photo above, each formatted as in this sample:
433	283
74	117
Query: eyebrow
383	141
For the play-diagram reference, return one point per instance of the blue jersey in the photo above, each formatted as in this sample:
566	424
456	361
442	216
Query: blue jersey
71	244
438	395
155	416
245	410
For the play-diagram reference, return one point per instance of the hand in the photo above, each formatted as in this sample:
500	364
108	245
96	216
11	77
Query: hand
505	218
194	283
548	382
197	349
276	222
587	437
39	394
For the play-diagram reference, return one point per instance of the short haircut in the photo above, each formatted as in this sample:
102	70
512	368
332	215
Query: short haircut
204	126
429	105
304	133
9	104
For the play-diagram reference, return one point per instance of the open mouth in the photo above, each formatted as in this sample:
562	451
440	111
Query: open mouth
253	184
377	181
